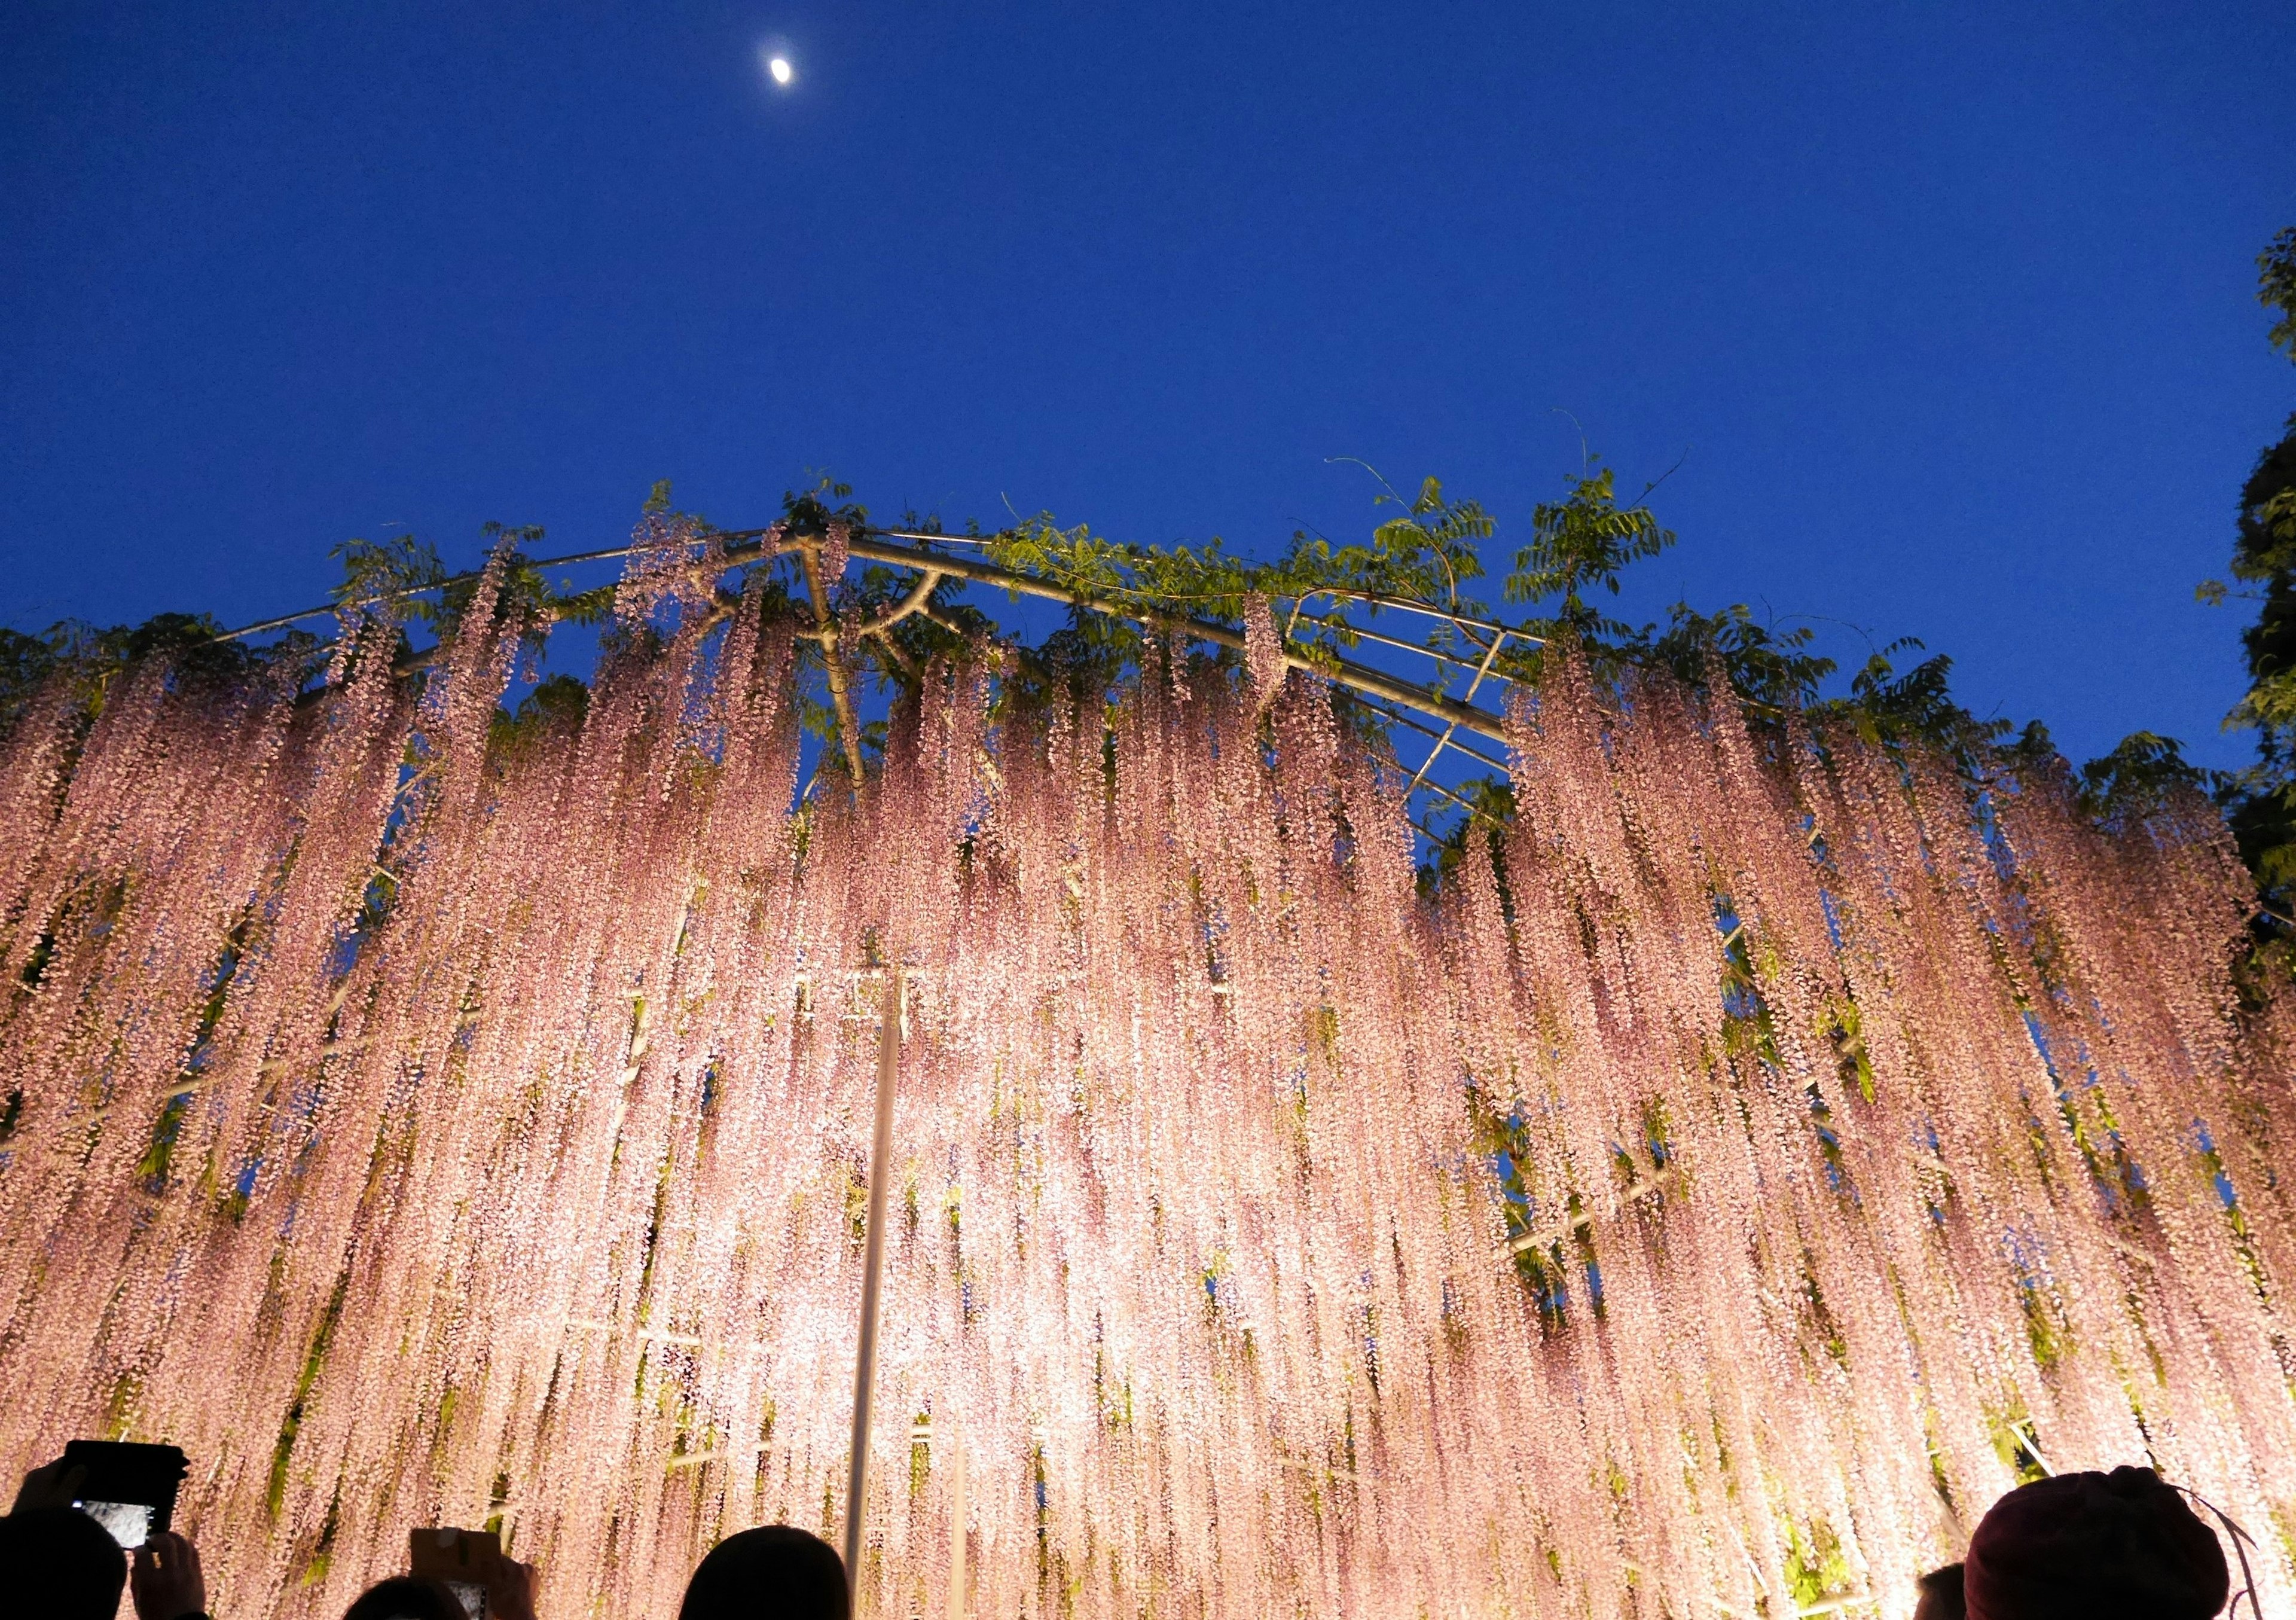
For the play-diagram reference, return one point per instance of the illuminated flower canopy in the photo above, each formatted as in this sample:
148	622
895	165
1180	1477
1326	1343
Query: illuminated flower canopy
1747	1161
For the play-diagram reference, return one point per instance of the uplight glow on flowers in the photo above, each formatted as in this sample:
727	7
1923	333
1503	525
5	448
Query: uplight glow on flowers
1702	1206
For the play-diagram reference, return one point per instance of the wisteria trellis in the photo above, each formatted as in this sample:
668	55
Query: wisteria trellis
1697	1210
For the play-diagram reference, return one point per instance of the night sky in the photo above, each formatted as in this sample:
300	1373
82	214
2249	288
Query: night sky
1947	313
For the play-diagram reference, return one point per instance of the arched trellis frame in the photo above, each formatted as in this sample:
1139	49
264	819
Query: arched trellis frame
1423	707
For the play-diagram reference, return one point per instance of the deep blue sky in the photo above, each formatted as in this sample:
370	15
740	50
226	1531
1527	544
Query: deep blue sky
1952	307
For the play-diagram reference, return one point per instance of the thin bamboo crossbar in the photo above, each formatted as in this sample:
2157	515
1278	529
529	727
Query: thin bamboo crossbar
1372	599
413	591
1420	775
1474	812
1436	653
1456	747
1403	605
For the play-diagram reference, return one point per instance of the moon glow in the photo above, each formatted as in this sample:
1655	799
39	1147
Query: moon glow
779	66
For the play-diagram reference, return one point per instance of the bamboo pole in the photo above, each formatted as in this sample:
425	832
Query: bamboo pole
873	1269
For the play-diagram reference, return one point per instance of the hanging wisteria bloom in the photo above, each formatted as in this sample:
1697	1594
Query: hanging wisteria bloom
1751	1162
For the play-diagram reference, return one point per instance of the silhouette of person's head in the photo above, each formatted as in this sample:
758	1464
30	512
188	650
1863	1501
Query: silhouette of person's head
774	1573
59	1563
1941	1596
407	1598
2118	1546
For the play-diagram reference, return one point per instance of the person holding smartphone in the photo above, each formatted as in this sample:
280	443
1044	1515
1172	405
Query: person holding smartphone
56	1559
452	1575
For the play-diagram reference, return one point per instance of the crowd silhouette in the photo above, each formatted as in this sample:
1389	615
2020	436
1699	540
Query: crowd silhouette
58	1563
2121	1546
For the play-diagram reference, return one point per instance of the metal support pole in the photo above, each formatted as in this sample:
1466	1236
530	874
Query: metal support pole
872	1269
956	1576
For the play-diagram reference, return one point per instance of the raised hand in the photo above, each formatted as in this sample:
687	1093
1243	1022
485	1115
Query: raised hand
50	1485
165	1579
509	1589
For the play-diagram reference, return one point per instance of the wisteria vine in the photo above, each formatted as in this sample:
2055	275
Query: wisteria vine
1755	1156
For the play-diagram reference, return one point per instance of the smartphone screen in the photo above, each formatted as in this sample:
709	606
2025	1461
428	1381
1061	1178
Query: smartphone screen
128	1488
129	1523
